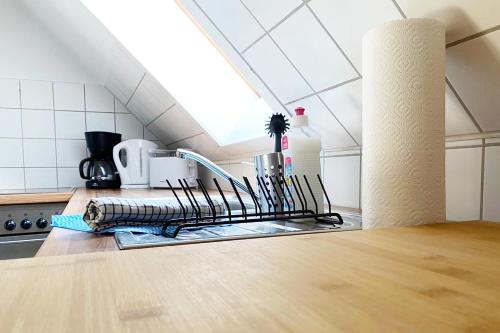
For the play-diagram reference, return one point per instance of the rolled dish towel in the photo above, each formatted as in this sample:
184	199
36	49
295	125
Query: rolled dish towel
103	213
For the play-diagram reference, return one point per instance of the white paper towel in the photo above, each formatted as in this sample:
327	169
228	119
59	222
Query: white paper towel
403	124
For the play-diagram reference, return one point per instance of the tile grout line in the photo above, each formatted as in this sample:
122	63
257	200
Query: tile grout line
324	90
473	36
135	90
161	114
340	123
267	32
333	40
22	132
241	55
186	138
55	129
469	113
298	71
481	200
398	7
360	185
114	113
85	107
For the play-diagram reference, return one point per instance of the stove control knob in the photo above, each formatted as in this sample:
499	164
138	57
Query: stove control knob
26	224
42	223
9	225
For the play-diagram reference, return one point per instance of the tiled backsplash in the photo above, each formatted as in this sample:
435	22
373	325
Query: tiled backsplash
42	127
472	182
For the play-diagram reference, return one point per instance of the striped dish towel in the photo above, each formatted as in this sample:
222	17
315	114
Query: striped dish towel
103	213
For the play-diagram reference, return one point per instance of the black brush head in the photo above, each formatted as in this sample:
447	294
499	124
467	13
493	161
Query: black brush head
277	124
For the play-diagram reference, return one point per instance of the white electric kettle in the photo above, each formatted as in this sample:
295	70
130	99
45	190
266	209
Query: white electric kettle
132	162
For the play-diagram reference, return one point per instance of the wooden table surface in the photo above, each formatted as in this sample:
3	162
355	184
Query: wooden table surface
434	278
64	241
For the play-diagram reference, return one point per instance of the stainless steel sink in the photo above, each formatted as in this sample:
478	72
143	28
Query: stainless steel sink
129	240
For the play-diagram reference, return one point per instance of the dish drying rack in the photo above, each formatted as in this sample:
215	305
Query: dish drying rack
284	207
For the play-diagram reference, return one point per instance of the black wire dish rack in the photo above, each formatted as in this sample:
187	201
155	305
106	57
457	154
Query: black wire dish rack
281	207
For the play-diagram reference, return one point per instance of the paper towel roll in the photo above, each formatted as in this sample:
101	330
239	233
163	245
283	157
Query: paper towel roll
403	124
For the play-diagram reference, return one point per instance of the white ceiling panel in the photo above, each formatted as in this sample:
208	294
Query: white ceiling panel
125	73
462	18
345	103
348	21
177	123
150	100
333	135
260	145
474	70
270	13
234	20
312	51
457	119
272	66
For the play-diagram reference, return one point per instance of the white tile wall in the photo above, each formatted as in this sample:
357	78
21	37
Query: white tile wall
9	93
38	124
310	48
348	21
70	152
491	201
98	98
234	20
11	178
119	107
345	103
100	121
11	153
40	147
331	132
267	60
70	125
179	123
341	177
268	15
128	126
69	96
10	123
69	177
36	95
39	153
463	184
457	119
150	100
124	75
473	69
41	178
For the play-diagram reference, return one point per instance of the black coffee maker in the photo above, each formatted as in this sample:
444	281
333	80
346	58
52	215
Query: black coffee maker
100	168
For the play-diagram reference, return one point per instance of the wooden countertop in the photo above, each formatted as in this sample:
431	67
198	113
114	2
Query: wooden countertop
63	241
34	198
433	278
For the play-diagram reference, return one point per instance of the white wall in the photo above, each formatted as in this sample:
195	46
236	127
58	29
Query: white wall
42	125
31	52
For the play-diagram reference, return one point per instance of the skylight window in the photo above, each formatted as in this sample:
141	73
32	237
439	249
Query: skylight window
185	61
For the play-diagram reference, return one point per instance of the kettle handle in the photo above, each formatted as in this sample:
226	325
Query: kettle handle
80	168
116	156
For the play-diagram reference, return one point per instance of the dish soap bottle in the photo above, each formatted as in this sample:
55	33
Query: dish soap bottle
301	148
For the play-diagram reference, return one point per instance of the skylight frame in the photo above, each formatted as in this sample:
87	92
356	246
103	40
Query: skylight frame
226	105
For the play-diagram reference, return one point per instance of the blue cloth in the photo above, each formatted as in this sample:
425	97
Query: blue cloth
76	222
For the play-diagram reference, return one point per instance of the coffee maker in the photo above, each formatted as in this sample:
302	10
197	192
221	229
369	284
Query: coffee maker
100	168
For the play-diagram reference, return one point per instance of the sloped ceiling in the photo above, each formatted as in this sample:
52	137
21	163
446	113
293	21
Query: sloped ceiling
295	53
